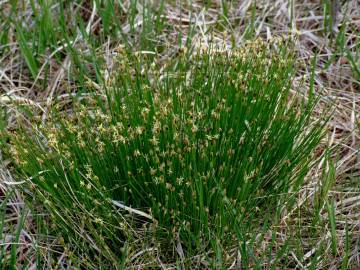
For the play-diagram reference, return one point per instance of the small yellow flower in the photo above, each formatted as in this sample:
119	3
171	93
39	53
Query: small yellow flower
157	126
139	130
152	171
162	167
154	141
99	221
179	180
137	153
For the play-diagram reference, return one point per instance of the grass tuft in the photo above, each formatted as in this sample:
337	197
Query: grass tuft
201	155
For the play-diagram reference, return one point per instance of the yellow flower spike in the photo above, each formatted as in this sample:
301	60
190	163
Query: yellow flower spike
152	171
139	130
162	167
99	221
154	141
137	153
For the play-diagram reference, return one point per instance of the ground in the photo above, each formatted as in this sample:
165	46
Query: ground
35	61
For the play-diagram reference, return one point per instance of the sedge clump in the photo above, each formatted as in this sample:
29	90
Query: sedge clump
209	145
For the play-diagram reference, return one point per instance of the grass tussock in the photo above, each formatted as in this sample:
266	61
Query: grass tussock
197	156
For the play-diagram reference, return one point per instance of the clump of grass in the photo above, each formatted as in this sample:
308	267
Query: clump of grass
194	155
